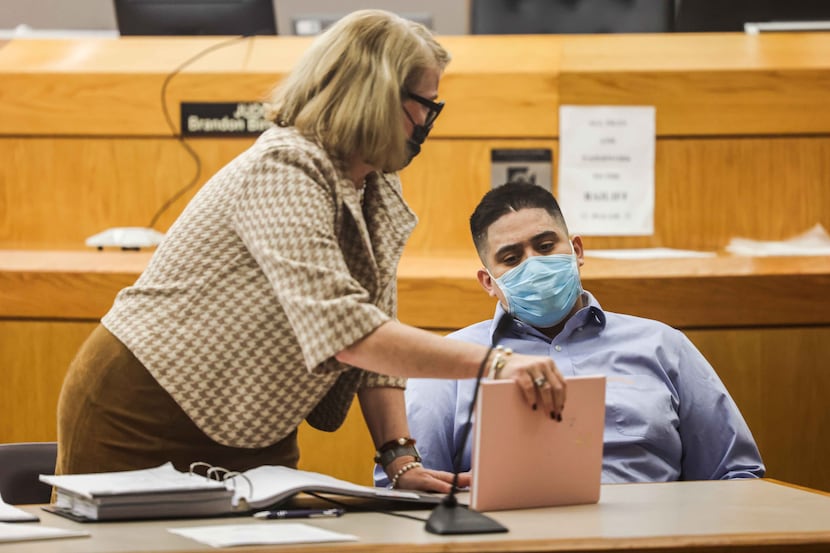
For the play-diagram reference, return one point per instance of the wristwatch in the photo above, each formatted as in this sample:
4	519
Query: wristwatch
393	449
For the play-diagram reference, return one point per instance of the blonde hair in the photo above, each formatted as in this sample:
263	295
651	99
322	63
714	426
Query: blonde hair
346	91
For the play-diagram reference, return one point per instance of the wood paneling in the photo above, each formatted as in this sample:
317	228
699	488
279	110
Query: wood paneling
494	86
58	191
443	187
718	84
346	453
779	379
112	87
762	188
34	356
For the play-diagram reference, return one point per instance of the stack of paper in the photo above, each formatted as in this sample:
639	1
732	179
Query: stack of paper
160	492
164	492
815	241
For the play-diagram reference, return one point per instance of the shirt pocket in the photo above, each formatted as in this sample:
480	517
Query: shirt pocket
640	406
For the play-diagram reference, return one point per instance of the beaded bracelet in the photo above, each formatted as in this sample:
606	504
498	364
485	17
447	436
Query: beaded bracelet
499	361
401	471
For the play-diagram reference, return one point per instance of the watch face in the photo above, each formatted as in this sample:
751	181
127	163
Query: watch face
386	457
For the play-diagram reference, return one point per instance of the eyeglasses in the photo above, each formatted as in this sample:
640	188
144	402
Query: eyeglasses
434	108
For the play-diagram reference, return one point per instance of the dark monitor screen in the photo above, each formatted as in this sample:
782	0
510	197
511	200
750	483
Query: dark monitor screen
498	17
730	15
195	17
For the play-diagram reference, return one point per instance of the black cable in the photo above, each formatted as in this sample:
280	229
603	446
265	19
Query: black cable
501	327
451	500
180	136
361	509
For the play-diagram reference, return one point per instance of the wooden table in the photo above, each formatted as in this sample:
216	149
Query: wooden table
751	515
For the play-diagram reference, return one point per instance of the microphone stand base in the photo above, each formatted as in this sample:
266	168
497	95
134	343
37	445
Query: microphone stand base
457	519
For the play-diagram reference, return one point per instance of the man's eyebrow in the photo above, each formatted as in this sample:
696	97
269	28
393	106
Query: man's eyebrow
535	238
505	249
545	235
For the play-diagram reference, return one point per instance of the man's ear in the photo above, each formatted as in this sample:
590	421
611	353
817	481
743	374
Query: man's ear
579	249
486	282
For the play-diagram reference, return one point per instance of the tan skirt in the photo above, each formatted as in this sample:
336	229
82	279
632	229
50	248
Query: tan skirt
113	415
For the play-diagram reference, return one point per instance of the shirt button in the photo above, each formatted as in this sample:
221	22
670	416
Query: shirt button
557	347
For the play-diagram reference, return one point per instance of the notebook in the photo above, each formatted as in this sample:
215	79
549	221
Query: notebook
522	459
164	492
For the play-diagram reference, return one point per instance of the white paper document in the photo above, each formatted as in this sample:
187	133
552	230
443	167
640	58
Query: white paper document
648	253
163	478
606	169
273	532
815	241
13	532
10	513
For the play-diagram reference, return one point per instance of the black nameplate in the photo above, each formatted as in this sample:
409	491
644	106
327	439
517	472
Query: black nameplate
223	118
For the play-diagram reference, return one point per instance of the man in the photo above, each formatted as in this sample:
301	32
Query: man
668	416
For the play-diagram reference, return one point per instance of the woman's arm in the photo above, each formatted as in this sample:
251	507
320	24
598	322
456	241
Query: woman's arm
396	349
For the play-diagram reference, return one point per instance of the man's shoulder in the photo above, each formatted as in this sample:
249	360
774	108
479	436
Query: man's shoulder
640	325
478	333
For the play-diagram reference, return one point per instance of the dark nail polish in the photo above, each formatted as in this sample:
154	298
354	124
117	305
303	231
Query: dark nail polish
559	417
553	415
533	406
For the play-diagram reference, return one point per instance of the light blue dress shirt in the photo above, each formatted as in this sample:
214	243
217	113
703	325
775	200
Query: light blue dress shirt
668	416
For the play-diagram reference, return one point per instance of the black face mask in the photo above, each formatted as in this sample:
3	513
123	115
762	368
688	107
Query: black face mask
413	143
420	132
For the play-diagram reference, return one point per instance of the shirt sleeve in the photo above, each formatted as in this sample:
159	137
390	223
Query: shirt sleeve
717	443
290	218
431	408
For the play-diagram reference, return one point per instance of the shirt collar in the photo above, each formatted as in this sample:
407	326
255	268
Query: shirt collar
590	316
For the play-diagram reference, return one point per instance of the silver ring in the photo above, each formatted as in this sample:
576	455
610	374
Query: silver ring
540	381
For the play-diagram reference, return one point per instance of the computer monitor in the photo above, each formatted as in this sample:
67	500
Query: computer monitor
730	15
195	17
499	17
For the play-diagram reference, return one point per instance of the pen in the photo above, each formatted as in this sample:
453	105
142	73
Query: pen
300	513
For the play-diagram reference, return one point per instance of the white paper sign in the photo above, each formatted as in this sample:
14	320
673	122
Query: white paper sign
606	169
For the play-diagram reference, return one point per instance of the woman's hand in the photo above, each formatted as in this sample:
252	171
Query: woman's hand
540	381
428	480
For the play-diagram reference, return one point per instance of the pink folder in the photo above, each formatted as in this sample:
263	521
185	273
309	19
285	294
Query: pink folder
522	458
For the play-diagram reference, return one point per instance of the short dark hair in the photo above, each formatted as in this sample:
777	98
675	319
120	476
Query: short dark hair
506	198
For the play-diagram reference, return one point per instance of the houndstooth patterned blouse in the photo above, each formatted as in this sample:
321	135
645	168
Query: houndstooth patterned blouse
275	266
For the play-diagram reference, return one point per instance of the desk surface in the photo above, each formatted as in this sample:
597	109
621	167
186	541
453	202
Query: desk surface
753	515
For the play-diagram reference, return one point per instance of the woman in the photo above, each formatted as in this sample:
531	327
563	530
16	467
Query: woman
272	298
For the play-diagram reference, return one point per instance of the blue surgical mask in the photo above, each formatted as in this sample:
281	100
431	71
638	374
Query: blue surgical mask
543	289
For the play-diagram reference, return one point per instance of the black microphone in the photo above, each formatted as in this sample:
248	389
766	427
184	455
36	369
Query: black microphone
449	517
